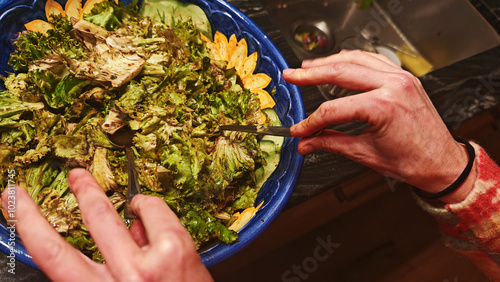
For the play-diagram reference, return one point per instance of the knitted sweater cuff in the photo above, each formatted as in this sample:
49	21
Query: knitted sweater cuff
473	224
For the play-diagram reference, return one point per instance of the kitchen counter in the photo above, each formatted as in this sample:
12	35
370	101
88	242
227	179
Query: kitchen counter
459	92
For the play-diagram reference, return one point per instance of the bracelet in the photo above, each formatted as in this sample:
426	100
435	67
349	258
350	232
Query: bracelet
460	179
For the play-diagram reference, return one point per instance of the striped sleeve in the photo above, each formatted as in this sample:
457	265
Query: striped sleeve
472	227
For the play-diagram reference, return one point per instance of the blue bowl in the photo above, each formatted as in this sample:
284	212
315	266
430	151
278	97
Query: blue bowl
289	107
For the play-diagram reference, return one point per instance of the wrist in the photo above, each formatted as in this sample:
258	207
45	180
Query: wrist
455	180
464	190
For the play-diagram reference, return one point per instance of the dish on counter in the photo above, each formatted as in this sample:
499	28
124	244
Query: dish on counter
227	20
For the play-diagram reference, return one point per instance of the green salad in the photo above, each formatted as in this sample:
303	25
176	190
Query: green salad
88	77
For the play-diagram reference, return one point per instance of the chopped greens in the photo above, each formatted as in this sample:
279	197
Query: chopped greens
116	68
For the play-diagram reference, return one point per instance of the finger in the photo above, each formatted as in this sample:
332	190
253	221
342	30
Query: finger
168	238
386	60
382	58
317	143
157	218
344	74
103	222
355	147
329	141
360	108
139	233
55	257
368	59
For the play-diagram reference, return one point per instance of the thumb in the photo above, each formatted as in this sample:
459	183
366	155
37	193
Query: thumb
354	147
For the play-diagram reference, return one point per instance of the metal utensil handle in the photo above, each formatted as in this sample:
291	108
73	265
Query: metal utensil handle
133	185
278	131
285	131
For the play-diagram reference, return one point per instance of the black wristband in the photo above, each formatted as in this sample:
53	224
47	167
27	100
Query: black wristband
460	179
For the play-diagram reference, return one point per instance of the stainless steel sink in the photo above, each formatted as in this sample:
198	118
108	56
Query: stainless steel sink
439	33
444	31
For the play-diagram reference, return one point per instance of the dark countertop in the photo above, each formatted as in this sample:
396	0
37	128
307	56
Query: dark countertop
459	92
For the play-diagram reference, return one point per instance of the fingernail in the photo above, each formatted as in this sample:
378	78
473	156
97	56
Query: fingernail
305	63
74	175
288	71
136	200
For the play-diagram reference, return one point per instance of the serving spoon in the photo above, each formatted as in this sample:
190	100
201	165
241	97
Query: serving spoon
122	138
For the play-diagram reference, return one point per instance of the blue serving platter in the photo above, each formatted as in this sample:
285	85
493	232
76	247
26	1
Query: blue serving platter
289	106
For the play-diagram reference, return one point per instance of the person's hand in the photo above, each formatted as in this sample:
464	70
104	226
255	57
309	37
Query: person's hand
407	138
157	247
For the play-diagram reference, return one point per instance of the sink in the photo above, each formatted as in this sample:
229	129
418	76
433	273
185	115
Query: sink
445	31
422	35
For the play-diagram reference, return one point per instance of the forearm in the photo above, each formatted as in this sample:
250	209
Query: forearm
472	226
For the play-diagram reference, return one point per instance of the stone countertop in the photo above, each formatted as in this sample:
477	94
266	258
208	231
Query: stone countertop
490	9
459	92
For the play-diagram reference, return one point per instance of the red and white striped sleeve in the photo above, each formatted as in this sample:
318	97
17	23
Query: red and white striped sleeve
472	227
